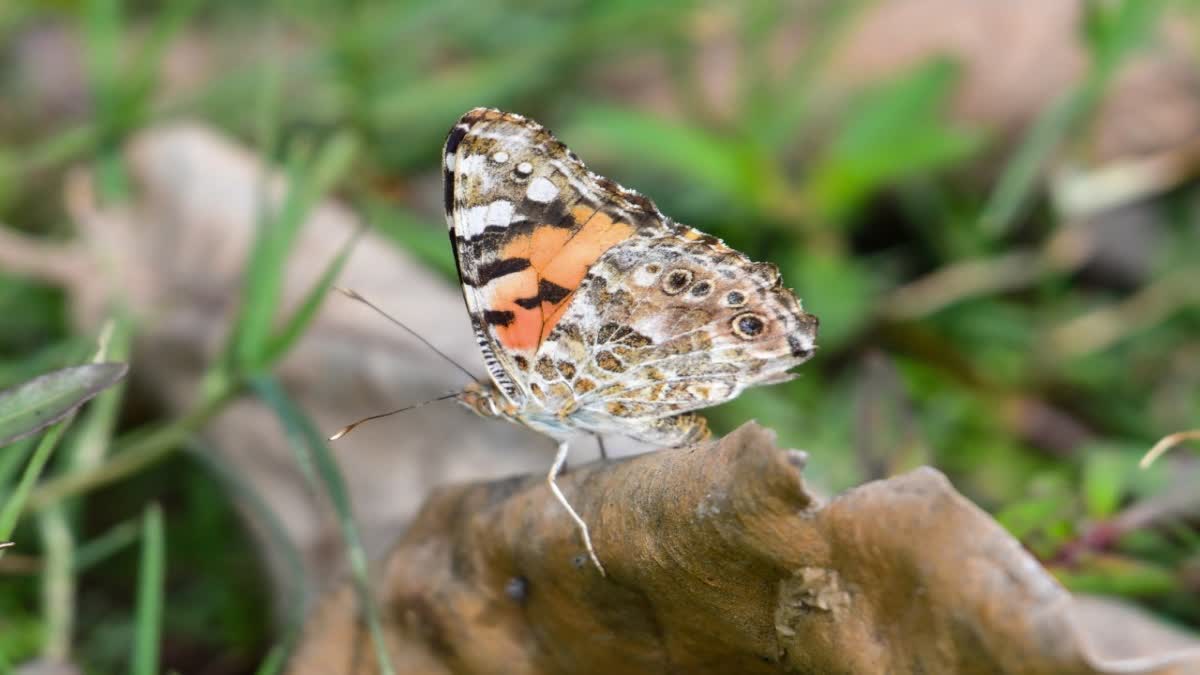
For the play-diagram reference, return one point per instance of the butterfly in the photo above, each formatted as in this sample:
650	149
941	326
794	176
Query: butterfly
594	311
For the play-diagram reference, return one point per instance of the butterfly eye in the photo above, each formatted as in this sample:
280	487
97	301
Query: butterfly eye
748	325
701	289
735	299
676	281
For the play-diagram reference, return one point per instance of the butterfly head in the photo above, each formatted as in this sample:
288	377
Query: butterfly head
486	401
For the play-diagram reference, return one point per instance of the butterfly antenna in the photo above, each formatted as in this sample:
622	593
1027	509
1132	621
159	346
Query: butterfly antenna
353	295
350	427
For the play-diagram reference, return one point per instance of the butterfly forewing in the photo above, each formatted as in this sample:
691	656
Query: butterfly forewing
527	222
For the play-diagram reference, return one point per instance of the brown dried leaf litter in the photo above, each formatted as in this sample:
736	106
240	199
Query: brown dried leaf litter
720	561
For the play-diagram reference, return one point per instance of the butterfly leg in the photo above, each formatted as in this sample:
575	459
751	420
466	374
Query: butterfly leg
559	461
603	450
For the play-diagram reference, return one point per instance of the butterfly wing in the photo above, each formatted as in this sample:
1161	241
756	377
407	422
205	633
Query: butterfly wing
663	326
527	222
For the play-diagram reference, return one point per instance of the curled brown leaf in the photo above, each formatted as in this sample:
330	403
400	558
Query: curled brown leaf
719	561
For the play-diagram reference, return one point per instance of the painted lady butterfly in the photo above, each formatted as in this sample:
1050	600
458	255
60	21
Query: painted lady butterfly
594	311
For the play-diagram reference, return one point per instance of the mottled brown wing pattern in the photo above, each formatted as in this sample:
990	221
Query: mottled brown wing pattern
664	326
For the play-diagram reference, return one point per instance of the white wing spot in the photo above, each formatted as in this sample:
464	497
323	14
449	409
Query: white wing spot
499	213
471	165
647	275
449	162
524	168
500	157
542	190
474	220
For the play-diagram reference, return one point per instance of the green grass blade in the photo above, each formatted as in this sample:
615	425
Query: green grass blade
30	407
1105	481
265	267
266	105
103	39
282	341
84	450
111	542
332	163
773	120
102	32
309	446
11	510
1118	575
141	79
1015	186
150	594
729	167
1111	35
11	459
58	584
274	662
897	130
62	147
92	436
1112	30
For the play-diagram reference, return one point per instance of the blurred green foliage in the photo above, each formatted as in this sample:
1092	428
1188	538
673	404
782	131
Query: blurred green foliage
857	199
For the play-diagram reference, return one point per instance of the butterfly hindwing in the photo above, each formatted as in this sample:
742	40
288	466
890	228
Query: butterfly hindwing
665	326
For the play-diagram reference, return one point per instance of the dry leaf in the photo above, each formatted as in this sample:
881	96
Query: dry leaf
719	561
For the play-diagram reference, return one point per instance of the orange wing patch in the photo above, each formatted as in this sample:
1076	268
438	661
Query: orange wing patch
526	305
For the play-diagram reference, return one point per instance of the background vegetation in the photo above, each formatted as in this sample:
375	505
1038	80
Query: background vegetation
952	332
